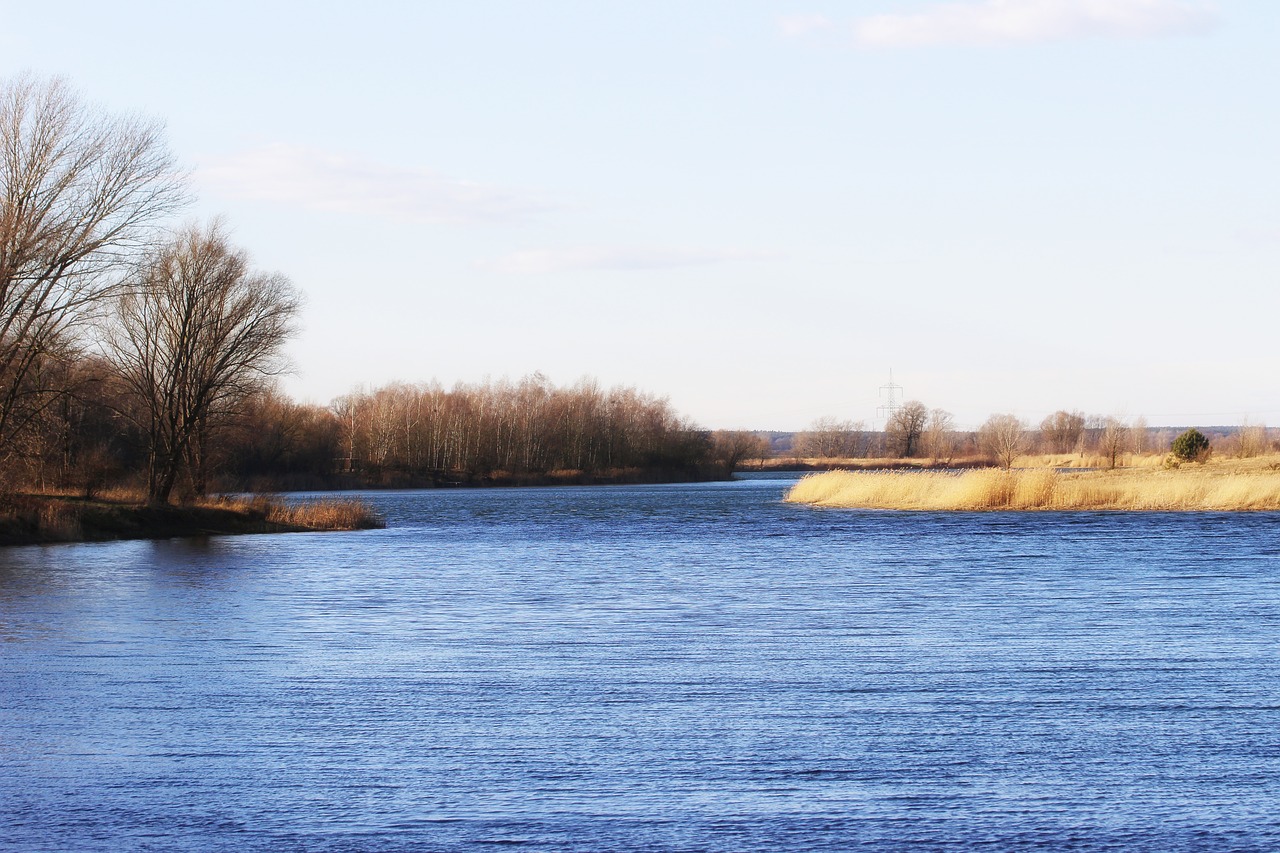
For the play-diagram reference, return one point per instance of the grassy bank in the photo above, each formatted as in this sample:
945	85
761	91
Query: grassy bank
41	519
1216	486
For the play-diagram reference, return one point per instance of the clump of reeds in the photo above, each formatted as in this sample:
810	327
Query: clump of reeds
25	519
326	514
59	521
124	494
1044	489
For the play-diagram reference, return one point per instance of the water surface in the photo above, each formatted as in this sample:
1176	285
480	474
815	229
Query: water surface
667	668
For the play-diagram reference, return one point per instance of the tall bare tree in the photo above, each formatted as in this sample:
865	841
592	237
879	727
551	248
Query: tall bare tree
1061	431
940	436
80	193
732	448
1004	437
196	334
905	427
1138	434
1114	440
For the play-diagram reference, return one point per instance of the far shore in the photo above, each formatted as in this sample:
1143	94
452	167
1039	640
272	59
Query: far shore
1215	486
1081	461
392	478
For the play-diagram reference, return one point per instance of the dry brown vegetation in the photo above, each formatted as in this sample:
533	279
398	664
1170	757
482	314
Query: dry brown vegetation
325	514
27	519
1252	484
870	463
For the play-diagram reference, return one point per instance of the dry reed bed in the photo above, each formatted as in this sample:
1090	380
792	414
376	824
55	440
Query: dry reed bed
331	514
1200	489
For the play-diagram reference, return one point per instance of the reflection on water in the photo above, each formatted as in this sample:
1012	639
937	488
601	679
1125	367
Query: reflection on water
668	667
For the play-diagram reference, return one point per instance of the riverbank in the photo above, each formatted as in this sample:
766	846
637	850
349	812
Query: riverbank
1216	486
36	519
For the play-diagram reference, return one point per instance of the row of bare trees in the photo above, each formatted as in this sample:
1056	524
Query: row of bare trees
514	428
916	431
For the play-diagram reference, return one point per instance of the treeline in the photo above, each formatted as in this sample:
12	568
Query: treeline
502	432
144	356
915	431
517	431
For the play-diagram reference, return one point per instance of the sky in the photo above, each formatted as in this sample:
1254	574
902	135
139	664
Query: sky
757	208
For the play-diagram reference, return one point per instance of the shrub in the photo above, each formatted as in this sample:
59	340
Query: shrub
1191	445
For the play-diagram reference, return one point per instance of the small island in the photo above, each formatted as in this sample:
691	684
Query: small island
1159	485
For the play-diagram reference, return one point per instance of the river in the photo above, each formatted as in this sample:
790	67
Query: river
691	667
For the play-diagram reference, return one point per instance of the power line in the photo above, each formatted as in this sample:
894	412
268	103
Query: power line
890	392
1236	413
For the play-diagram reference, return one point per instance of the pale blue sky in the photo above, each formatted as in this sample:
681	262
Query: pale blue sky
757	208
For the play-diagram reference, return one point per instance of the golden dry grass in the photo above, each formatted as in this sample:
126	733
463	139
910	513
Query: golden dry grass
329	514
861	463
1221	487
1089	460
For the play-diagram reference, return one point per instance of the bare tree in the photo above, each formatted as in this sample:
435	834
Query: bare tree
1253	439
196	334
730	448
905	427
1004	437
80	193
1113	440
832	439
1061	431
1138	433
940	436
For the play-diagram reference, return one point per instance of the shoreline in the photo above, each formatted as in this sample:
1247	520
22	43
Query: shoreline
37	519
393	480
1227	486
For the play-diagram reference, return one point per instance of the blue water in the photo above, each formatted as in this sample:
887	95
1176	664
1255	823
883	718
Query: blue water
649	668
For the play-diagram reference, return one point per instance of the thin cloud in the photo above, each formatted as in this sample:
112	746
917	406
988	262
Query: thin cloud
1032	21
334	183
795	26
613	258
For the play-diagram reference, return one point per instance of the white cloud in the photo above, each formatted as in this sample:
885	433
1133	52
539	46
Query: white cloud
623	258
325	181
794	26
1023	21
